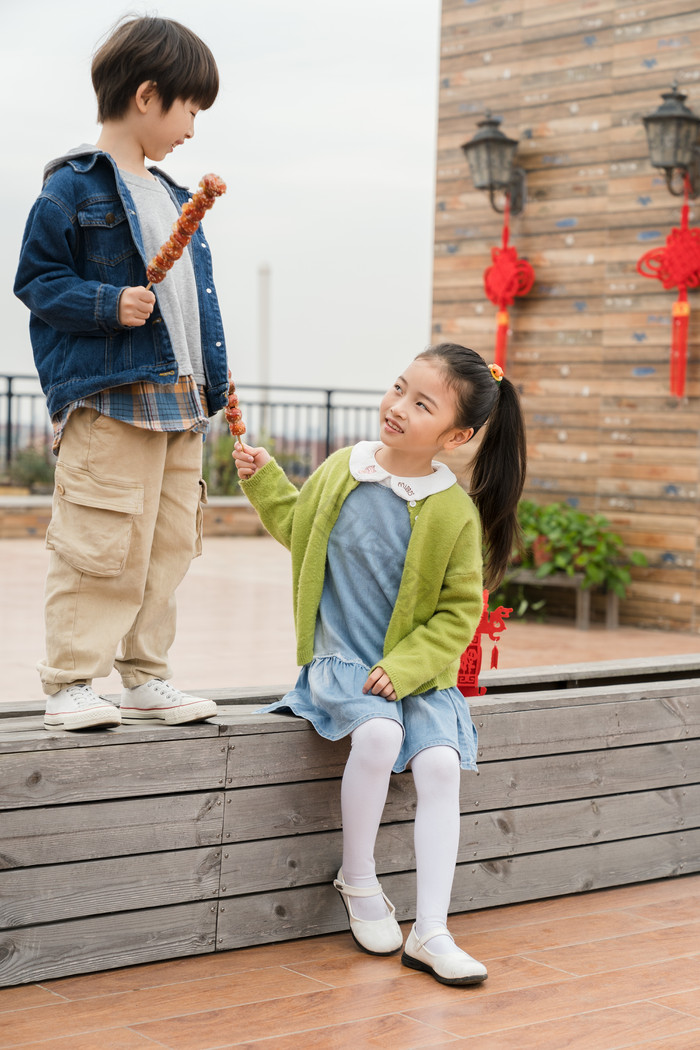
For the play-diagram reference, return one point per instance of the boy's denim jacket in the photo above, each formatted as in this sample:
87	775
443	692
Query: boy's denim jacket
82	245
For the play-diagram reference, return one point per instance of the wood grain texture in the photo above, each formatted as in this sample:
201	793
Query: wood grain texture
105	941
110	829
589	347
53	893
102	772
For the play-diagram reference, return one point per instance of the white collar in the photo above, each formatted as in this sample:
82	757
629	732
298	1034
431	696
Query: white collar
364	467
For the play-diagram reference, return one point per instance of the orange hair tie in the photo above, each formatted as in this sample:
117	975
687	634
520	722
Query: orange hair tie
497	372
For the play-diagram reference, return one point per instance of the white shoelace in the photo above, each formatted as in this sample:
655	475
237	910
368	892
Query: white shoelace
166	690
84	696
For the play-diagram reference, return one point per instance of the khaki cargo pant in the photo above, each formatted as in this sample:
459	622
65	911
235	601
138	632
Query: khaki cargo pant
126	524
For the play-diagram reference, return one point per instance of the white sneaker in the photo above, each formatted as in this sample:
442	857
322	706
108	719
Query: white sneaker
77	706
162	702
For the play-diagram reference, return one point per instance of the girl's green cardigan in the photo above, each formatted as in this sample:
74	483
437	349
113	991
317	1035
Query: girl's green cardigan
440	596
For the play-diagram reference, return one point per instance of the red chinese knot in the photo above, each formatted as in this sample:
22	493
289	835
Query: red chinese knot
506	278
677	265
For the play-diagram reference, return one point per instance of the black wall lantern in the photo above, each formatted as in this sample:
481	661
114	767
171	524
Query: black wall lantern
491	154
672	133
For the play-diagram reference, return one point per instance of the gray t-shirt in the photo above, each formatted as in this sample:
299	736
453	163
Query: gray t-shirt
177	292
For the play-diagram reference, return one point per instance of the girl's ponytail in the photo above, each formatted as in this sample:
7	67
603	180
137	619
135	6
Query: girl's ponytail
498	476
485	396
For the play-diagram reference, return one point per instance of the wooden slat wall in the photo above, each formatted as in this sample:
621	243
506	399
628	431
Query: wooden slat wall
590	344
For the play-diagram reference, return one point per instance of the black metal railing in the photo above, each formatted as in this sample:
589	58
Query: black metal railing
302	424
24	422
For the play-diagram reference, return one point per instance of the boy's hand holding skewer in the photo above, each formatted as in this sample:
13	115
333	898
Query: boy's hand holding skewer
135	306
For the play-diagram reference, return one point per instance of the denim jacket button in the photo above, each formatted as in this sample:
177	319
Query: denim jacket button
209	291
110	218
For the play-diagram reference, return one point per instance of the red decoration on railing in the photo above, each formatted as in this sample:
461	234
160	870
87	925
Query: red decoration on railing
492	625
677	264
507	277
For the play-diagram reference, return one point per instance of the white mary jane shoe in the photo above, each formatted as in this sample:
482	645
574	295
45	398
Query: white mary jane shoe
375	936
452	968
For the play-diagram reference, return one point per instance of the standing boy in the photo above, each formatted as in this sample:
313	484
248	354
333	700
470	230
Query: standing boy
130	378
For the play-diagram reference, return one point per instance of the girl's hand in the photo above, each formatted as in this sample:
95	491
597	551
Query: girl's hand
249	460
380	684
135	306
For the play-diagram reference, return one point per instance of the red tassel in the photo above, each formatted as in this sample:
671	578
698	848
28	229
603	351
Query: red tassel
677	264
494	657
679	342
502	323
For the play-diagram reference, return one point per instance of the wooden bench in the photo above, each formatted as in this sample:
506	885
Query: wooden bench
143	843
529	578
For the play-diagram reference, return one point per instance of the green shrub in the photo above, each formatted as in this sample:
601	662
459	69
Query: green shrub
30	468
559	538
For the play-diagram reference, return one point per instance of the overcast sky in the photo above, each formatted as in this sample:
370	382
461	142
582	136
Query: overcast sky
324	130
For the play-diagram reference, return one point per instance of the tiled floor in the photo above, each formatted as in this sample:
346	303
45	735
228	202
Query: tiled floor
600	971
235	623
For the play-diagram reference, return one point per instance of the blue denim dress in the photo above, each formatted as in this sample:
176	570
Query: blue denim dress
366	553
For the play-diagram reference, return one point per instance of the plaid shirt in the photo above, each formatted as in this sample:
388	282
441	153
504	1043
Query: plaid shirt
150	406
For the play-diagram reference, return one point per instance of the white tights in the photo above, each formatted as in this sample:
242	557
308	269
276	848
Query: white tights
375	745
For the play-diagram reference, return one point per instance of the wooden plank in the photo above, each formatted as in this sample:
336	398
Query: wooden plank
682	694
228	696
633	722
104	942
280	916
314	806
120	771
513	879
299	860
80	832
56	892
579	823
310	910
13	735
275	758
632	670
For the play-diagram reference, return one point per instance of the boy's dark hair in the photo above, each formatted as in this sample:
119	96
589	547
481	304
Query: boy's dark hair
158	49
498	470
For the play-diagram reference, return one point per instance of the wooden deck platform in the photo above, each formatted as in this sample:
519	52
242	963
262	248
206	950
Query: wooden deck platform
146	843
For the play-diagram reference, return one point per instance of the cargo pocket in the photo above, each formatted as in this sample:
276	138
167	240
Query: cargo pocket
92	521
199	528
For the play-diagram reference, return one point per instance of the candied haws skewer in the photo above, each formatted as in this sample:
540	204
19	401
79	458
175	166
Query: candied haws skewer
234	416
188	221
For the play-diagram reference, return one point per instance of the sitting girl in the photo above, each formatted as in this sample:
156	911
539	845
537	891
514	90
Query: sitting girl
387	571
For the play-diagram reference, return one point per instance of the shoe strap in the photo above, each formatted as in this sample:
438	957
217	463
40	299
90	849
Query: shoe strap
357	891
437	931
